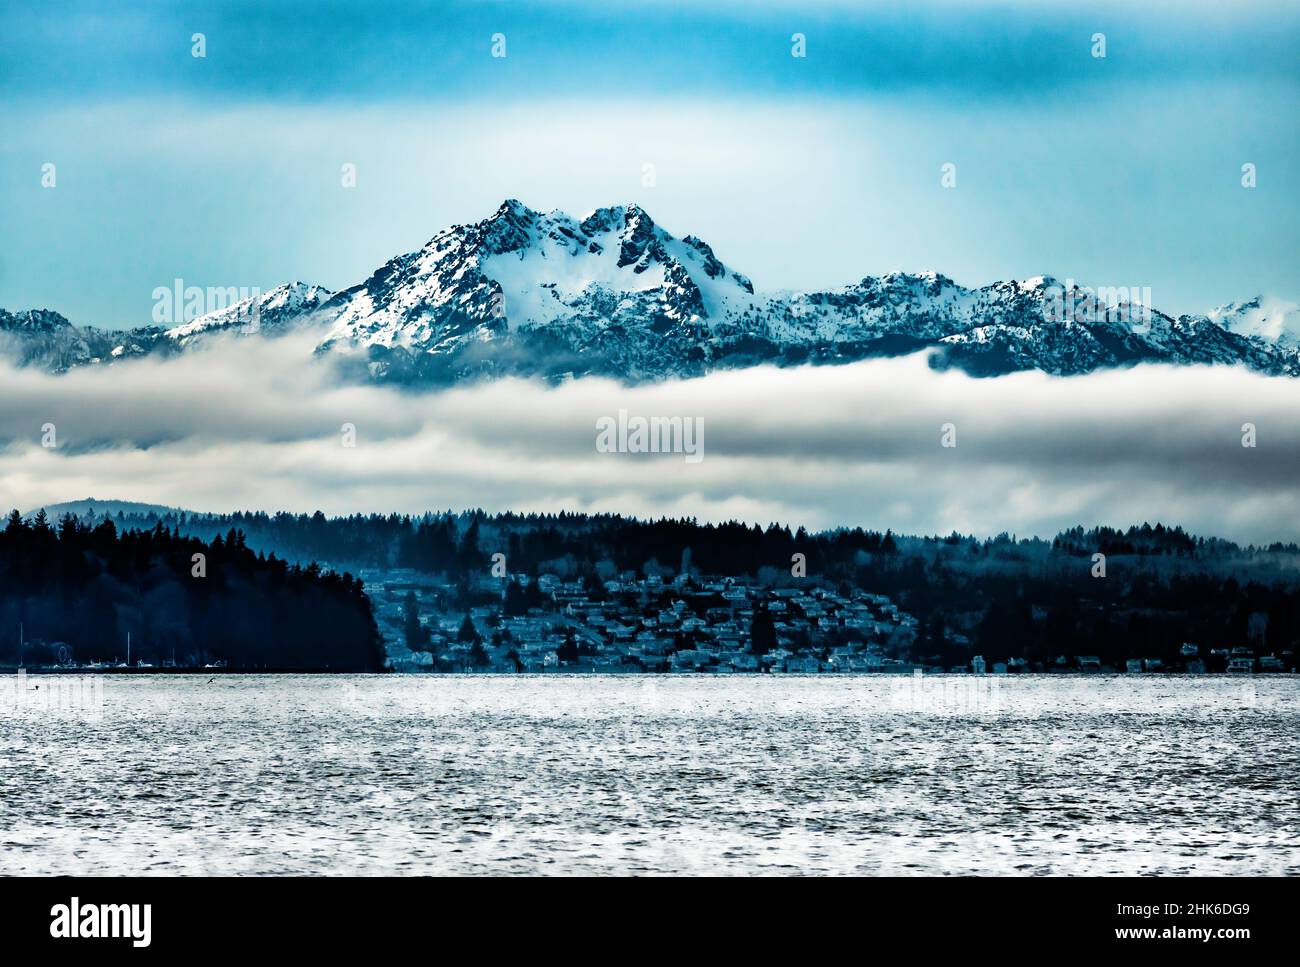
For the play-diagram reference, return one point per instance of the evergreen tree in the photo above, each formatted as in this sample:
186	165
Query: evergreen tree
468	632
762	631
417	636
568	650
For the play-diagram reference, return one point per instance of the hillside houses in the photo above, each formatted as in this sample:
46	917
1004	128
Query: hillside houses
695	625
632	623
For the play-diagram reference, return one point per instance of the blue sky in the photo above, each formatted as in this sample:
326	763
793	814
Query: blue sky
801	172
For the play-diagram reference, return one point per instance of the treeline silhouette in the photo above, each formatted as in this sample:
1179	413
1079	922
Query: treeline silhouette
1030	598
87	585
451	543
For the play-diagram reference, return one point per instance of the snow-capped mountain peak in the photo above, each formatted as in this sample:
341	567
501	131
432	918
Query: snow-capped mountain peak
266	312
1274	320
521	270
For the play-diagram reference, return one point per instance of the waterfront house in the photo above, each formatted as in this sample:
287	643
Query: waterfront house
802	664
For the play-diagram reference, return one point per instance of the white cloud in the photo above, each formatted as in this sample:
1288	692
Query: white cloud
250	424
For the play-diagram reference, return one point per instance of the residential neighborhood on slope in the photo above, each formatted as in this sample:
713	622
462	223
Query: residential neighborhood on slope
634	623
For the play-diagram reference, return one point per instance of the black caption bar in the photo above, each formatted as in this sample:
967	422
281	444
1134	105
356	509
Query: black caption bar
139	917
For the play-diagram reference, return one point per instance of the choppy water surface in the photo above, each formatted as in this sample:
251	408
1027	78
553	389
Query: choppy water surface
738	775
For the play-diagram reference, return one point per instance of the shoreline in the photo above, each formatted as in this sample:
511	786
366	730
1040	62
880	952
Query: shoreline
577	673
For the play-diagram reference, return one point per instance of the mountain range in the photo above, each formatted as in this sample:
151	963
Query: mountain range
613	294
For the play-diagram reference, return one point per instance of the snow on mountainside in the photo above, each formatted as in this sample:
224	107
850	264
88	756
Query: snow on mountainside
614	294
527	292
267	312
46	340
1273	320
